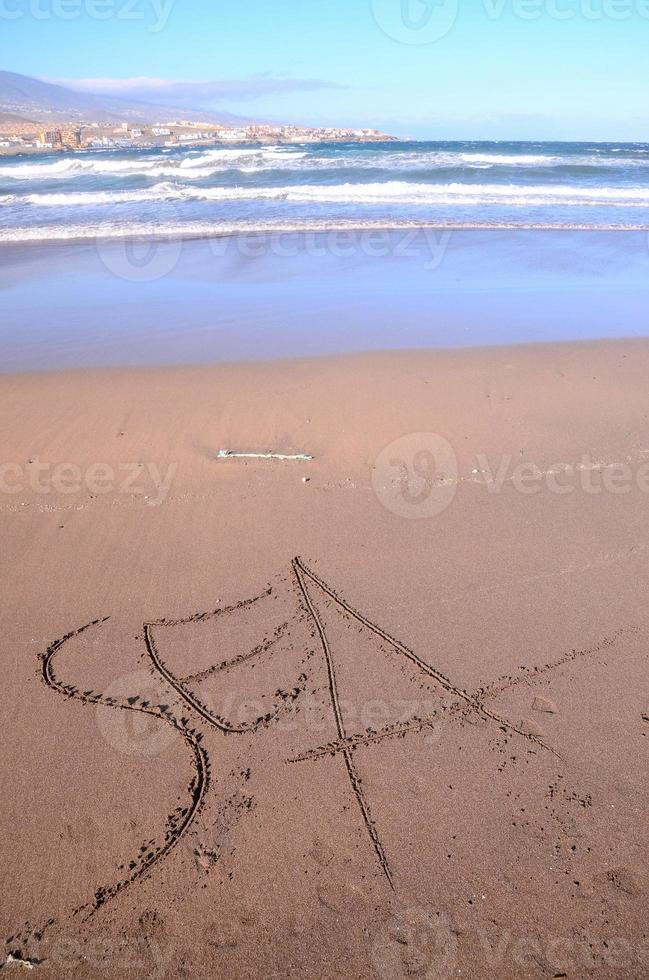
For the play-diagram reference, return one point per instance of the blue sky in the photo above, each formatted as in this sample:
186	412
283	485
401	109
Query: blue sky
502	69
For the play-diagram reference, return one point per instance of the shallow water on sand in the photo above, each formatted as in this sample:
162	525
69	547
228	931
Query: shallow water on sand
267	296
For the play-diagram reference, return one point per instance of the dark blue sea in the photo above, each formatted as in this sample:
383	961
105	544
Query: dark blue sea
310	187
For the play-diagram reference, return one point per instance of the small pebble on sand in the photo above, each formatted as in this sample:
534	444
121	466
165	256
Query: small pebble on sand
542	704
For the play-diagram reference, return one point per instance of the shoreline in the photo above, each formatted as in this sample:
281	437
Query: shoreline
331	360
148	233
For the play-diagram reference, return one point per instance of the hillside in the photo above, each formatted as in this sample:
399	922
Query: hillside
10	121
31	98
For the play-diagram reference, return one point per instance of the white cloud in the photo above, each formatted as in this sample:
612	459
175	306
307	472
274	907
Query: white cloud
192	93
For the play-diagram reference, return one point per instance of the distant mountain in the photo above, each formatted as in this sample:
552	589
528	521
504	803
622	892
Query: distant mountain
28	97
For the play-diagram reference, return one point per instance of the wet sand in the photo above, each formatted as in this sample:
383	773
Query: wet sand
260	297
382	713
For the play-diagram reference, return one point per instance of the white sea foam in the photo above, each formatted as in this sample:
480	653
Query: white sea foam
161	230
193	165
95	198
196	164
524	159
462	185
376	193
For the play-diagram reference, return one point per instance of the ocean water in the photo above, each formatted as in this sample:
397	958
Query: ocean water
227	190
247	252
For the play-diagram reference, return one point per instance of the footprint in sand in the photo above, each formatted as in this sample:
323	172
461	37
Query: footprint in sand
544	705
530	727
624	880
321	853
340	898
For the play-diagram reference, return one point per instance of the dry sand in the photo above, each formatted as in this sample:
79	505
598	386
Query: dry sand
420	750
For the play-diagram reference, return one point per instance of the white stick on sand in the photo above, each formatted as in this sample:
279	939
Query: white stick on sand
230	454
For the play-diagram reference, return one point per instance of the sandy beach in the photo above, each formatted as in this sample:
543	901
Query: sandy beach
379	713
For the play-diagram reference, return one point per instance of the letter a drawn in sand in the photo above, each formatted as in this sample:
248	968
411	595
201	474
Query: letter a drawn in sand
346	743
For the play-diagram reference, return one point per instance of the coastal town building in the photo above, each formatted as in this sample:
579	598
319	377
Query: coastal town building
26	137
